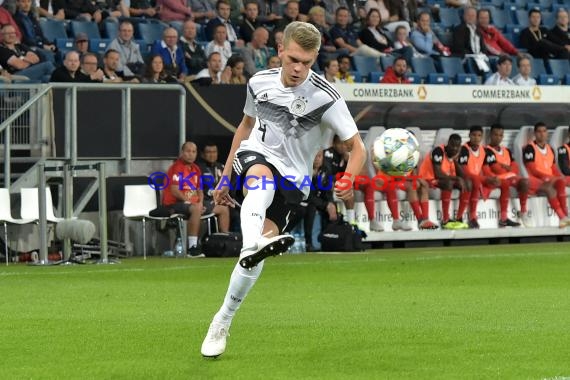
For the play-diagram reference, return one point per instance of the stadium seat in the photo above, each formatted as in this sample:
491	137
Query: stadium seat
449	17
522	18
423	66
29	205
548	19
375	76
98	45
538	67
64	45
437	78
365	65
559	67
566	79
466	79
414	78
53	30
151	32
386	61
111	29
547	80
87	27
451	66
522	139
357	77
500	17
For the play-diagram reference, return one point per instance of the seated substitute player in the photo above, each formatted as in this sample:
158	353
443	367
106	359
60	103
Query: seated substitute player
564	160
336	158
499	162
439	170
290	113
543	174
472	158
184	195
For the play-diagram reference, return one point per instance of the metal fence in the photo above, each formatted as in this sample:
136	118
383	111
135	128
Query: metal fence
24	130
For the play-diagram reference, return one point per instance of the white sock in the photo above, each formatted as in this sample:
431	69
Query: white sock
192	241
350	216
241	282
253	208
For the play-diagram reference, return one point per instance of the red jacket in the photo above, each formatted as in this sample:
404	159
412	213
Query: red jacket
390	77
496	43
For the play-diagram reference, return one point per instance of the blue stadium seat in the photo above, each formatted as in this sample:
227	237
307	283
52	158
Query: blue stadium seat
548	19
110	29
466	79
414	78
559	67
522	18
566	79
437	78
538	67
375	76
516	4
87	27
451	66
386	61
364	65
423	66
449	17
53	30
500	18
445	36
99	45
515	70
64	44
200	32
357	77
547	80
545	4
151	32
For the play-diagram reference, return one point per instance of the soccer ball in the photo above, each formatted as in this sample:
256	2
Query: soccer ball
396	152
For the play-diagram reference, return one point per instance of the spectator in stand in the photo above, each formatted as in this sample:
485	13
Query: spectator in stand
564	160
317	18
173	10
7	19
213	73
472	158
559	34
277	39
468	41
131	62
397	72
19	59
331	71
344	37
306	5
250	21
171	53
85	10
212	170
51	9
403	41
424	39
344	74
194	55
186	197
383	7
81	43
441	170
269	12
375	39
89	67
523	78
274	62
535	39
461	3
543	174
502	76
220	44
331	6
143	8
236	11
256	53
32	34
111	61
70	71
495	42
223	10
290	14
320	200
113	9
155	72
202	10
402	13
235	67
499	163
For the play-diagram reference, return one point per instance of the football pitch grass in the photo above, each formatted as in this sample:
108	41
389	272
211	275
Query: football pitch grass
482	312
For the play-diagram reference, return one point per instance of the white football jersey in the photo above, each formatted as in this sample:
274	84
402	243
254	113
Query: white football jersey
294	123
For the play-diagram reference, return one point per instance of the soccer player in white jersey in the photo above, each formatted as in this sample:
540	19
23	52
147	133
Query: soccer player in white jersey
289	115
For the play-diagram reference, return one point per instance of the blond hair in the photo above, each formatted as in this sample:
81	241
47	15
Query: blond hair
304	34
316	10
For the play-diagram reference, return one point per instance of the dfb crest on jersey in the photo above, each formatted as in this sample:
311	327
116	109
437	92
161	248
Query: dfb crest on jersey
298	105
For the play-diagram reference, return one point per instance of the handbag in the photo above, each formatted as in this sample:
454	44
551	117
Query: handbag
222	244
341	236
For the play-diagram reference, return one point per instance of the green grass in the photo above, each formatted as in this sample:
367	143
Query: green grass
484	312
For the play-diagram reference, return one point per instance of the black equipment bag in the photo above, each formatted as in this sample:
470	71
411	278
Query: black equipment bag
341	236
222	244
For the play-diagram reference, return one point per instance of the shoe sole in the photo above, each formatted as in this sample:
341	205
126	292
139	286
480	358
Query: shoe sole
272	249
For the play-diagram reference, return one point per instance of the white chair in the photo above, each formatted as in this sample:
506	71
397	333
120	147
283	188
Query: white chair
523	138
6	218
30	208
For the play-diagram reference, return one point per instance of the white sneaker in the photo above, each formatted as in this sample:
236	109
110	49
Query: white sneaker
376	226
564	222
525	219
266	247
398	225
215	342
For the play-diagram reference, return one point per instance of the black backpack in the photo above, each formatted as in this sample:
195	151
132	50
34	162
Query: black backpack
340	236
222	244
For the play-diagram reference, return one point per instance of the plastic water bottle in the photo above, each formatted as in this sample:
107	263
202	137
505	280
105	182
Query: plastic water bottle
178	248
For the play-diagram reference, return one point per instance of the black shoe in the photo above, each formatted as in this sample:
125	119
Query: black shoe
265	248
473	223
508	223
195	252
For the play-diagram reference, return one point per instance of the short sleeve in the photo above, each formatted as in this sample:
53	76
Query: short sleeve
528	154
463	156
249	107
437	156
340	120
490	158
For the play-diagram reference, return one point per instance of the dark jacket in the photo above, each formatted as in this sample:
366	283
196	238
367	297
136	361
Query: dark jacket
29	25
559	36
61	74
461	43
367	38
539	44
